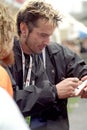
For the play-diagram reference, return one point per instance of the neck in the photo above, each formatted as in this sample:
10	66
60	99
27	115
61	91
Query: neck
25	49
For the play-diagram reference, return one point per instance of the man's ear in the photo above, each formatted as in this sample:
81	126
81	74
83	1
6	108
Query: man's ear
24	29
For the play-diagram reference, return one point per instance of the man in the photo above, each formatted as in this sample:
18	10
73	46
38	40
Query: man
36	21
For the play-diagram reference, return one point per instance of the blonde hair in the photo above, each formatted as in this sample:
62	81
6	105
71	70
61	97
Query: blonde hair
32	10
6	35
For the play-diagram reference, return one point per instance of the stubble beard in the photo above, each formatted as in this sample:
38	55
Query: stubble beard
27	44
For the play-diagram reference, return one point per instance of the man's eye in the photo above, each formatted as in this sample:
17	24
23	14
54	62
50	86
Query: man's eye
43	35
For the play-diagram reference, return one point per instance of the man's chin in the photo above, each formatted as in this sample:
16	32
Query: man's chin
37	53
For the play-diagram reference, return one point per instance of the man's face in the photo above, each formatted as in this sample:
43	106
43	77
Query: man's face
39	37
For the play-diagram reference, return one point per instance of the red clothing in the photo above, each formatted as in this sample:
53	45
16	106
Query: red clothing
5	81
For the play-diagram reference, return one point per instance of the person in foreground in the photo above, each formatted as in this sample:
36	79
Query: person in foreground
6	45
36	21
10	116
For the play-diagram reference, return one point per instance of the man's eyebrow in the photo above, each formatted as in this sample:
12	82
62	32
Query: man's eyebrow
45	34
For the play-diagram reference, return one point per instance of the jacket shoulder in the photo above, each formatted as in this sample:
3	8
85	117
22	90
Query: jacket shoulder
54	47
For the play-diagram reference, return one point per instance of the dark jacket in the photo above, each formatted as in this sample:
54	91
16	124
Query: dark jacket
45	105
60	63
33	98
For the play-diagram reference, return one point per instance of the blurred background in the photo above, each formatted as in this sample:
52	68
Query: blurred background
72	31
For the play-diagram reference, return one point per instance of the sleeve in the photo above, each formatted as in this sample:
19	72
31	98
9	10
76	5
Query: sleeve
47	95
35	98
76	66
5	81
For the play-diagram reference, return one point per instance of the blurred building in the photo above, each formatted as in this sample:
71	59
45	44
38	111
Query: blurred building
82	15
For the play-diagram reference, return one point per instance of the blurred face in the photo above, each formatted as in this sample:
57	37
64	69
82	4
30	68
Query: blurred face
39	37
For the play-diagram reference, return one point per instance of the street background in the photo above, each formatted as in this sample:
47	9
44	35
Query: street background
78	116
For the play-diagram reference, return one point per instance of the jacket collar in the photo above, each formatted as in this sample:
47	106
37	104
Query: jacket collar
53	48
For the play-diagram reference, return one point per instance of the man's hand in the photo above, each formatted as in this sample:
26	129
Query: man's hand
84	92
66	88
